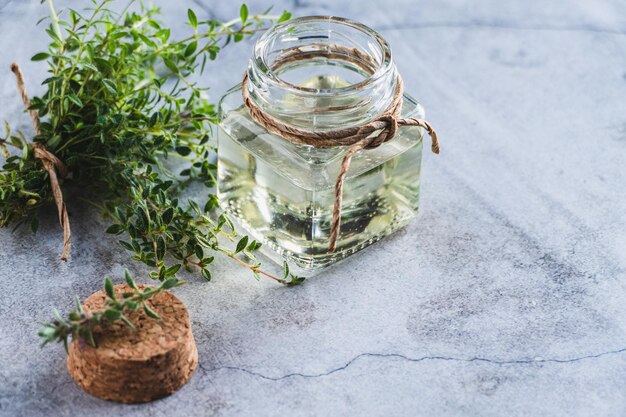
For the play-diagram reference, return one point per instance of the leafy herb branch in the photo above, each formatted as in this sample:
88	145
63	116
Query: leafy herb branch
119	107
79	324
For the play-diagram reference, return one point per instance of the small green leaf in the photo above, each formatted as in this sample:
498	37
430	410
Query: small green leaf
168	215
74	99
108	287
206	274
203	241
153	119
109	86
160	250
53	142
170	283
173	270
221	220
284	17
150	312
211	203
241	245
103	65
254	246
40	56
57	316
126	245
48	332
295	281
115	229
146	40
199	252
127	321
112	314
193	20
191	48
243	13
171	65
194	206
88	337
74	16
79	306
129	280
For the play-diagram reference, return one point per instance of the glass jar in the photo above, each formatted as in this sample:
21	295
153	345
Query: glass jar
282	193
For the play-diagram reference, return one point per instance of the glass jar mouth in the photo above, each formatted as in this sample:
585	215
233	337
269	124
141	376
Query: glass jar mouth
262	61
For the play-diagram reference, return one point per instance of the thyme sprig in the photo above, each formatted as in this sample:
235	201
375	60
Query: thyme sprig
80	324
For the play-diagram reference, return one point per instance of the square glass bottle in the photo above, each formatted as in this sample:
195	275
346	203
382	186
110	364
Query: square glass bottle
281	192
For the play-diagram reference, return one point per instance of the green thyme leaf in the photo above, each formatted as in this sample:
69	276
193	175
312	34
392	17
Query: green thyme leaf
150	312
129	280
241	245
206	274
193	20
108	288
40	56
284	17
243	13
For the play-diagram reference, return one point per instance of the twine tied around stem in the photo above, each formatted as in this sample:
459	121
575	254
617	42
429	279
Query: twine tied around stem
50	163
367	136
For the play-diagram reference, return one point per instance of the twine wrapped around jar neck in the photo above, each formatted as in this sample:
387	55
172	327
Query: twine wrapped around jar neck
366	136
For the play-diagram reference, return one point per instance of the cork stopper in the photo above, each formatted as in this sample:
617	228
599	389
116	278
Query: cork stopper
136	365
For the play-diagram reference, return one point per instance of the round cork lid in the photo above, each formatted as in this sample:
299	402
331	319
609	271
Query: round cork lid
136	365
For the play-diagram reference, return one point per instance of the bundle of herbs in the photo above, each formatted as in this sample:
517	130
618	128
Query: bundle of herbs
119	106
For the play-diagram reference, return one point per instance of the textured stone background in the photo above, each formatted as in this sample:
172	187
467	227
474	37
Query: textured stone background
505	297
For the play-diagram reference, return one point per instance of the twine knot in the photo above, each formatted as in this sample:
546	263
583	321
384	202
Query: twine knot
48	158
387	133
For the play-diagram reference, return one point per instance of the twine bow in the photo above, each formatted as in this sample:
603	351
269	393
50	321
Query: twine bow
356	137
50	163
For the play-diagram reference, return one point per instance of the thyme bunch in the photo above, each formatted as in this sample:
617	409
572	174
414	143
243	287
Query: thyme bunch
119	104
120	110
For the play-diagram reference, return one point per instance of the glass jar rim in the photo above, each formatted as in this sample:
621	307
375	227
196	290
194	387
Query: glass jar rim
260	58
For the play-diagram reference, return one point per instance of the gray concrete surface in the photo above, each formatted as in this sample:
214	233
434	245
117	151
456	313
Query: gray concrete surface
505	298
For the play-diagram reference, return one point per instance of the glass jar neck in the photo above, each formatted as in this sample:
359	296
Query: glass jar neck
322	73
